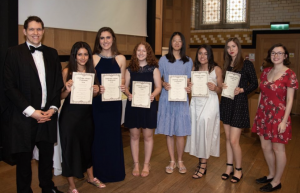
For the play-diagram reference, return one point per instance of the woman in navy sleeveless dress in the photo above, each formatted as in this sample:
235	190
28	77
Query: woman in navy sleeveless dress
108	157
143	66
76	122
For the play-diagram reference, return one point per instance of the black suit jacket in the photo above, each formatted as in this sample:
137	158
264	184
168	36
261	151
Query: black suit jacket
22	88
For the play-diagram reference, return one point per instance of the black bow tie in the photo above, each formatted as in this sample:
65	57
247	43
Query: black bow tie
33	49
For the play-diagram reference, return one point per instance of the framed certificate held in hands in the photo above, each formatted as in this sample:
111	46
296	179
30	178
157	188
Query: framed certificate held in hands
232	80
82	89
199	80
141	92
177	91
111	83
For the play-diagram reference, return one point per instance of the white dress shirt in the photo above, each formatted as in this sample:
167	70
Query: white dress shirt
39	63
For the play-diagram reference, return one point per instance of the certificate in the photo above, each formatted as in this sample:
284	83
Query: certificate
141	92
82	88
232	81
177	91
199	80
111	83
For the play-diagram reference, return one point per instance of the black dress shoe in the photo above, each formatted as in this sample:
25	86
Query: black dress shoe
270	188
52	190
263	180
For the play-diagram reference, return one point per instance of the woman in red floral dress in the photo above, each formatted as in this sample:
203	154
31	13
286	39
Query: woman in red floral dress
272	121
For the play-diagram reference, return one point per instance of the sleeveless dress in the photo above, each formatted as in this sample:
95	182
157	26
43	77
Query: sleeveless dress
136	117
76	131
173	116
272	104
204	140
236	112
108	157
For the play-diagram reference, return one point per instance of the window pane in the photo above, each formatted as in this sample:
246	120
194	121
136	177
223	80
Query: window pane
211	11
236	11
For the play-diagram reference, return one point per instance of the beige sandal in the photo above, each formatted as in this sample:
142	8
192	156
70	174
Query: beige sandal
182	170
136	172
96	183
146	173
170	169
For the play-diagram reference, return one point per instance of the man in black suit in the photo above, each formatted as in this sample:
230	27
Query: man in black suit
32	86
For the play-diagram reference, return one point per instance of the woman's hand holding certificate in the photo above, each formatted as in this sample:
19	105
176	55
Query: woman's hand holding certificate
110	87
232	81
82	88
199	81
141	93
177	91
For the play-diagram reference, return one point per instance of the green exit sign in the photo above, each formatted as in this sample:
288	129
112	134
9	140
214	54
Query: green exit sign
280	26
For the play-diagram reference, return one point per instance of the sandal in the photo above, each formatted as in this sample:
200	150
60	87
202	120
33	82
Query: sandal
73	191
170	169
181	170
146	173
136	172
96	183
226	176
196	176
235	178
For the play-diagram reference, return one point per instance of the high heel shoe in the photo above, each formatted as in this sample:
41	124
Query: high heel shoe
136	172
146	173
235	178
226	176
196	176
170	169
181	170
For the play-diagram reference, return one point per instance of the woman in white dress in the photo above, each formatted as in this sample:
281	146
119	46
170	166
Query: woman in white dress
204	140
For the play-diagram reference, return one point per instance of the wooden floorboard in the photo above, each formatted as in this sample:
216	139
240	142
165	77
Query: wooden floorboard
254	166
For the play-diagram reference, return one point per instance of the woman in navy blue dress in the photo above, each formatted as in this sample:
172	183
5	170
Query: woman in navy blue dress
108	158
143	66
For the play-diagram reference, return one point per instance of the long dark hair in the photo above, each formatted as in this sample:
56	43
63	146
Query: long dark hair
238	63
97	46
72	65
150	59
170	55
286	61
210	58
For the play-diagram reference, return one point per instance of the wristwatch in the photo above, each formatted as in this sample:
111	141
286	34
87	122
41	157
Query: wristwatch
54	109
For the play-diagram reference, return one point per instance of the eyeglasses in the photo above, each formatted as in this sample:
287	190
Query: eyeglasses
278	53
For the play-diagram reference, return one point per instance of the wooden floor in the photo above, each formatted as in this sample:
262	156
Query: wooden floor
254	166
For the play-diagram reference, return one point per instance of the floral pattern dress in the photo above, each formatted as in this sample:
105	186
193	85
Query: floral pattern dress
272	107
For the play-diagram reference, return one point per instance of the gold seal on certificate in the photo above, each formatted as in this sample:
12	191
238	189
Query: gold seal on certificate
199	80
177	91
232	81
111	83
82	89
141	92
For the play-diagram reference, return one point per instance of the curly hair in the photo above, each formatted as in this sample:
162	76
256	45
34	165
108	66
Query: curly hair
150	59
286	61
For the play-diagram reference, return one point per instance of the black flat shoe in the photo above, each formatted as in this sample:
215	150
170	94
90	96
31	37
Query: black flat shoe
270	188
263	180
226	176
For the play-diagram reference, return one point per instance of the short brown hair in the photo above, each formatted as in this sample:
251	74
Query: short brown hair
33	18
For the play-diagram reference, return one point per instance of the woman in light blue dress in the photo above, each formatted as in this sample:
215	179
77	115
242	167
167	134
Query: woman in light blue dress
174	117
